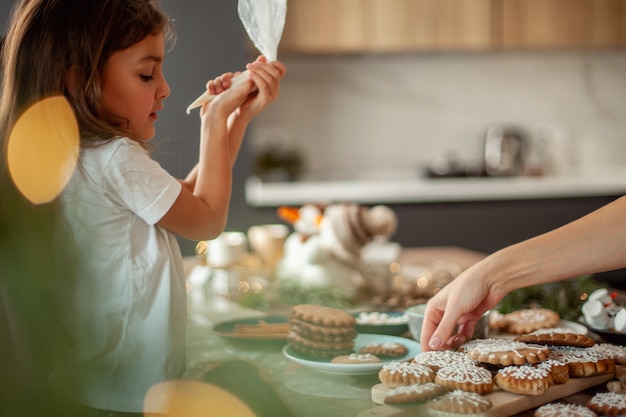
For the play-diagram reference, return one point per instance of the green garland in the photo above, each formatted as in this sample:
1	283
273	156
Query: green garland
565	297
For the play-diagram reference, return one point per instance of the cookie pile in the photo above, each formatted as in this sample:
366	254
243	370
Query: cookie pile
459	381
321	332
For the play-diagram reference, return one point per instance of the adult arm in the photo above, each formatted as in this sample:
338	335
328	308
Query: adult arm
594	243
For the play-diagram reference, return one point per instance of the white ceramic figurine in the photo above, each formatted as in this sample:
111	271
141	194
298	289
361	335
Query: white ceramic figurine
325	249
599	310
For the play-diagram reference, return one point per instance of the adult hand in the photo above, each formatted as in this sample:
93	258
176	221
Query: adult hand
451	314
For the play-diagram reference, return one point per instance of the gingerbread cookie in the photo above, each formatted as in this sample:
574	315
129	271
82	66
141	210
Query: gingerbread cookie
319	349
583	362
615	352
392	349
413	393
405	373
556	337
468	378
356	358
559	371
438	359
460	402
529	320
321	332
506	352
563	410
608	404
525	379
322	315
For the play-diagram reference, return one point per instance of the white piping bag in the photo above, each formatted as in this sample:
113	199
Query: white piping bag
264	21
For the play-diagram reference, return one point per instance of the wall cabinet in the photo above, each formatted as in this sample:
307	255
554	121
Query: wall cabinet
563	23
365	26
332	26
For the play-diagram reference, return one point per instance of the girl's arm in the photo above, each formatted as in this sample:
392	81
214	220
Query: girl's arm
200	211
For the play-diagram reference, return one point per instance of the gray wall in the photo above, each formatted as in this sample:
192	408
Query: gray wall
210	41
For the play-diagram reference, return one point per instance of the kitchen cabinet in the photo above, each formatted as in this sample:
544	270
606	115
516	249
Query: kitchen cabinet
369	26
541	24
336	26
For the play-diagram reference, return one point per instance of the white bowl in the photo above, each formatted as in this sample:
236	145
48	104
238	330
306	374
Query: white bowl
415	315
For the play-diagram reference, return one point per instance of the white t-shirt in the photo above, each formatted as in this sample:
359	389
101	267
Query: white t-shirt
127	306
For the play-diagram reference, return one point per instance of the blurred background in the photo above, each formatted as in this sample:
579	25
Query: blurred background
483	122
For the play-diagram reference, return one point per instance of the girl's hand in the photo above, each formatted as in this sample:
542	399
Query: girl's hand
247	95
266	77
221	83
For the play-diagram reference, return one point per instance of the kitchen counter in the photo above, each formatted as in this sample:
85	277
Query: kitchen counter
262	375
425	190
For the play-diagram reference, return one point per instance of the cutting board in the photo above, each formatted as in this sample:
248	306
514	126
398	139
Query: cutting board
504	403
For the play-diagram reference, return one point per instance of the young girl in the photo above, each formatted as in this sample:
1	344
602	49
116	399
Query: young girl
125	306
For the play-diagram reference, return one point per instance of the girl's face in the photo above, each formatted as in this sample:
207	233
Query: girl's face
133	86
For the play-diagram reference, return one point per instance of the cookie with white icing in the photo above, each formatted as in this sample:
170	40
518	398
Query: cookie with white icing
558	336
406	394
615	352
460	402
608	404
531	319
356	358
438	359
470	378
583	362
391	349
525	379
405	373
504	352
563	410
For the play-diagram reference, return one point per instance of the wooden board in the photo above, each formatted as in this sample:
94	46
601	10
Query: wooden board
504	403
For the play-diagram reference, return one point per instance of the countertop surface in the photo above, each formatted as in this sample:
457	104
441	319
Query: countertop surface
261	375
404	190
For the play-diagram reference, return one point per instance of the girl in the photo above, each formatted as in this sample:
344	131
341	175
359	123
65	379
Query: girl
125	305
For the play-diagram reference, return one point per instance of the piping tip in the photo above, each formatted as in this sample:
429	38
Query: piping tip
200	101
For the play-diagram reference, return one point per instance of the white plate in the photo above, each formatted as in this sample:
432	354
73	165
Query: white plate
325	365
573	326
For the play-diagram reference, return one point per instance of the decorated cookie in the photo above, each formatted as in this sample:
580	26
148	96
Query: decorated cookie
525	379
468	378
413	393
460	402
356	358
563	410
405	373
608	404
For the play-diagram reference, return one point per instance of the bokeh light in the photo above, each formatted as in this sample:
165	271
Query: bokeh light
42	149
196	399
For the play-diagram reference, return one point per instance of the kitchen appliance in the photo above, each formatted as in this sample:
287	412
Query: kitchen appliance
506	151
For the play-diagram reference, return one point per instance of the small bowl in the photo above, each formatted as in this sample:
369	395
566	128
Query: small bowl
607	335
416	318
393	323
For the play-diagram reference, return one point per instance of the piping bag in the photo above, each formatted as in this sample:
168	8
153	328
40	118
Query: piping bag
264	21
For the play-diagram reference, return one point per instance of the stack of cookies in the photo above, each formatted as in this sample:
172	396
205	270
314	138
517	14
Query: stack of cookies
321	332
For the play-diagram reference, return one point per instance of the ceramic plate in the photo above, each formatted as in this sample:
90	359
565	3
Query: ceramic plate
607	335
229	329
395	328
573	326
325	365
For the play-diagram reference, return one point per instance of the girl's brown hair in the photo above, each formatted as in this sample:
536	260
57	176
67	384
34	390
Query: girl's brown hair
47	38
